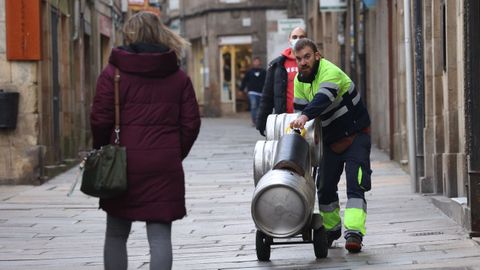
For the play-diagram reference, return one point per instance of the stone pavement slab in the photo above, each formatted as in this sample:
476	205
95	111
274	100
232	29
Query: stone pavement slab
41	228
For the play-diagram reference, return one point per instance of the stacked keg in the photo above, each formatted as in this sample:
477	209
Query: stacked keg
284	195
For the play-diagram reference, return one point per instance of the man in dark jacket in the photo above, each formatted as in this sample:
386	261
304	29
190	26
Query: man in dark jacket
277	94
323	91
253	84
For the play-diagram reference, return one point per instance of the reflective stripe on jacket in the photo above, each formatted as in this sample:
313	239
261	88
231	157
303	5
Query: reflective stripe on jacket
332	97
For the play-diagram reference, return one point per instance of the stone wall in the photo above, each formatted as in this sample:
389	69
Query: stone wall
378	86
20	154
206	22
55	92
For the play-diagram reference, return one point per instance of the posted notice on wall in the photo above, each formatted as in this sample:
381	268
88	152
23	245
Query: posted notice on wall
287	25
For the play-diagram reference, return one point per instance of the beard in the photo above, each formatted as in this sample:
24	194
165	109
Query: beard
305	71
306	74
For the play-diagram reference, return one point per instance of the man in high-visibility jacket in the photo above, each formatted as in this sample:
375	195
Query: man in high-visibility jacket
324	91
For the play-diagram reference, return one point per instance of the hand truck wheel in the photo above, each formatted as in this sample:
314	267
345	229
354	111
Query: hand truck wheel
320	243
262	245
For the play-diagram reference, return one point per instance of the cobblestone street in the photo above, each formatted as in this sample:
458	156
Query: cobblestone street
41	228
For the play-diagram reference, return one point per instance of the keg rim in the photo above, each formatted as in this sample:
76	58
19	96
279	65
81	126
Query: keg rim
297	229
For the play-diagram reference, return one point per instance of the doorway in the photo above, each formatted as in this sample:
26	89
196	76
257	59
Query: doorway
235	60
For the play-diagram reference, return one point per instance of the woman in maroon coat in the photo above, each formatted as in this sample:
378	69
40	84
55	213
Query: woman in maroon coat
159	122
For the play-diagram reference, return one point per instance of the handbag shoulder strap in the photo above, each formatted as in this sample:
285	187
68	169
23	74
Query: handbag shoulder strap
117	106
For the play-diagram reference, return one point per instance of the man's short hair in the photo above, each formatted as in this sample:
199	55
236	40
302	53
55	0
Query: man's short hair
305	42
298	28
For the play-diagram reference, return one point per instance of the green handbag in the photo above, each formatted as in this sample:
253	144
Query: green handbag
105	169
105	172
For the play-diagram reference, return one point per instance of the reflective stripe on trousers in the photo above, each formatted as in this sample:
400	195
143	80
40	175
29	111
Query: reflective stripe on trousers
331	216
356	163
355	215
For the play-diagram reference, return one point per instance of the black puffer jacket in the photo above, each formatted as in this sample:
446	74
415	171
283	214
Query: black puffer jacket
274	94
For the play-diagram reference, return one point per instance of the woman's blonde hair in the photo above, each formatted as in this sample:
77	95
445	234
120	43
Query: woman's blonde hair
147	27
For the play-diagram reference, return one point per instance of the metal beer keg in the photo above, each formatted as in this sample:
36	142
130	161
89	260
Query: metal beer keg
283	203
263	156
284	195
293	154
278	124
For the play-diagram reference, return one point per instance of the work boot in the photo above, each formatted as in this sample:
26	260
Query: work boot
353	242
333	235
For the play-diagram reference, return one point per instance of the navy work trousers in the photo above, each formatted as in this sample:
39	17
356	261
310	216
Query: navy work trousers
355	156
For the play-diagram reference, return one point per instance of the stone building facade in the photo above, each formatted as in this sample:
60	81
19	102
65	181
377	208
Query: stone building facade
55	89
225	36
444	42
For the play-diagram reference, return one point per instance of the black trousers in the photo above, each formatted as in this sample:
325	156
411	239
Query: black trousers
356	157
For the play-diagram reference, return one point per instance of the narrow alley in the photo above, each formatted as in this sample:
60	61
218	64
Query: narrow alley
41	228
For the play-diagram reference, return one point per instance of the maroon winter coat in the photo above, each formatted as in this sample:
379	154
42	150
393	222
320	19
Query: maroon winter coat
159	122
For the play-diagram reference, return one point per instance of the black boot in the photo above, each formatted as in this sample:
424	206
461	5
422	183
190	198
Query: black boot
353	242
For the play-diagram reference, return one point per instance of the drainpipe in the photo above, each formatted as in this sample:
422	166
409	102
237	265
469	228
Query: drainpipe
305	15
419	90
81	67
183	30
362	76
391	102
410	111
113	18
353	40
